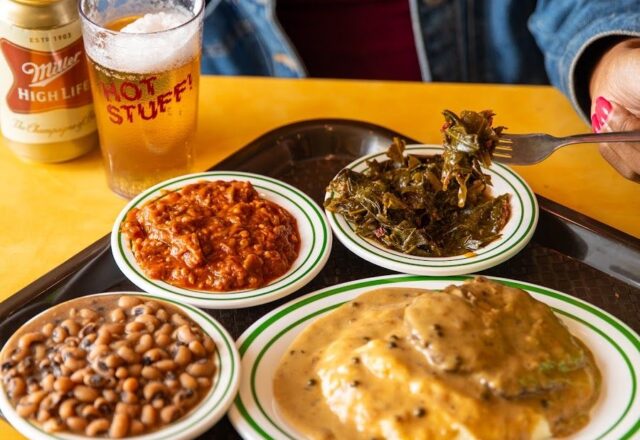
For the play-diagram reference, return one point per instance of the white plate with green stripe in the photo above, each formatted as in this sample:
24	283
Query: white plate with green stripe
198	420
315	244
515	234
615	346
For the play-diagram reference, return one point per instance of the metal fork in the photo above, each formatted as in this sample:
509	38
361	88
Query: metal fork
527	149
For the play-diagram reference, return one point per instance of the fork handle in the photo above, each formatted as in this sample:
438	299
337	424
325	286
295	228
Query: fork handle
620	136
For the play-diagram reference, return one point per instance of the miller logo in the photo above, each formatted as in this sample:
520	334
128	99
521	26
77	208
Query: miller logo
44	81
43	74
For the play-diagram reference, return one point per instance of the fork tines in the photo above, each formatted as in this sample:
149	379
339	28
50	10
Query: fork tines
503	148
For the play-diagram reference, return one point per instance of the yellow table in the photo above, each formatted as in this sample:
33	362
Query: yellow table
51	212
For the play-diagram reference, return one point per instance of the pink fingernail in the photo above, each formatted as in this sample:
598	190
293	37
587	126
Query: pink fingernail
595	123
603	107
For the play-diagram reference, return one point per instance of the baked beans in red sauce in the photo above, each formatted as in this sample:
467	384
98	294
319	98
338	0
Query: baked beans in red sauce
217	236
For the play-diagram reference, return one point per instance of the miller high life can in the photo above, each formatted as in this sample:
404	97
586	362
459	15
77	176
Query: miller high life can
46	111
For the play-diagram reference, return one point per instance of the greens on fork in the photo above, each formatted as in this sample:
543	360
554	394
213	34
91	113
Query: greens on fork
432	206
469	141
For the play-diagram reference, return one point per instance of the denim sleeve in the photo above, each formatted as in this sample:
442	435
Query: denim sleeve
243	37
568	30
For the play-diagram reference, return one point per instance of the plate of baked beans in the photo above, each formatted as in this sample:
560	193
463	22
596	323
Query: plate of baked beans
221	239
118	365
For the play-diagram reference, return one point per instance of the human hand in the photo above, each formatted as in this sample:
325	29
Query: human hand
615	104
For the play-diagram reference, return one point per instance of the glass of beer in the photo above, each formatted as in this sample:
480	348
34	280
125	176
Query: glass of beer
144	67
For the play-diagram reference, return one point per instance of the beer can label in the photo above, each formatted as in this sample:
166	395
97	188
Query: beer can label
45	95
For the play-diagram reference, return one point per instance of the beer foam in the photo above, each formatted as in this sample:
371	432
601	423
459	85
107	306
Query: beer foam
156	22
153	43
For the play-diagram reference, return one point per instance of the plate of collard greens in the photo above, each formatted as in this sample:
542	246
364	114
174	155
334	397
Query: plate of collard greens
434	209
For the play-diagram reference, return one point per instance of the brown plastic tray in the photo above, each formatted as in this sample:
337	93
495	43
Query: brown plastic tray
569	252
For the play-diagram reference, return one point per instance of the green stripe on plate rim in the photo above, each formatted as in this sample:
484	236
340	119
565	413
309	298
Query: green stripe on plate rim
455	261
227	343
232	295
611	320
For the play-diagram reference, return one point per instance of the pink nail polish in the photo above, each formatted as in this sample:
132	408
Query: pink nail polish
595	123
603	124
603	108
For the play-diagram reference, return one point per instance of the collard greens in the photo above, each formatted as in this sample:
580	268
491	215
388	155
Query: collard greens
468	141
432	206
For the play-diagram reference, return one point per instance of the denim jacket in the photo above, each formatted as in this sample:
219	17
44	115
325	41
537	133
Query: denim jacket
498	41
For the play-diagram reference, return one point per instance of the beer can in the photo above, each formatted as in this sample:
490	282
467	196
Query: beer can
46	111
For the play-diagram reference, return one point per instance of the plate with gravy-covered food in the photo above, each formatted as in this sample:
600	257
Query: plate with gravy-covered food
221	239
412	357
118	365
434	209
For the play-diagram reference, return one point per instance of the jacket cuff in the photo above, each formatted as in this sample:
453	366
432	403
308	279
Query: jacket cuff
583	63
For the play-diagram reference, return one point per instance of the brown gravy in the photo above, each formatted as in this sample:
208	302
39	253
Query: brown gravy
480	360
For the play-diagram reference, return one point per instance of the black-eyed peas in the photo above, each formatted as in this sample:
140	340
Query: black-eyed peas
184	334
128	302
201	367
204	382
122	373
47	382
27	339
89	412
130	385
182	356
59	335
128	354
102	405
166	365
88	314
134	327
208	343
76	424
16	387
144	343
94	380
63	384
67	408
47	329
154	355
187	381
185	396
150	373
135	369
78	376
128	397
110	396
96	427
119	425
163	340
197	349
117	315
43	415
149	415
85	394
136	427
113	367
149	321
170	413
162	315
155	389
71	326
178	319
26	409
52	425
